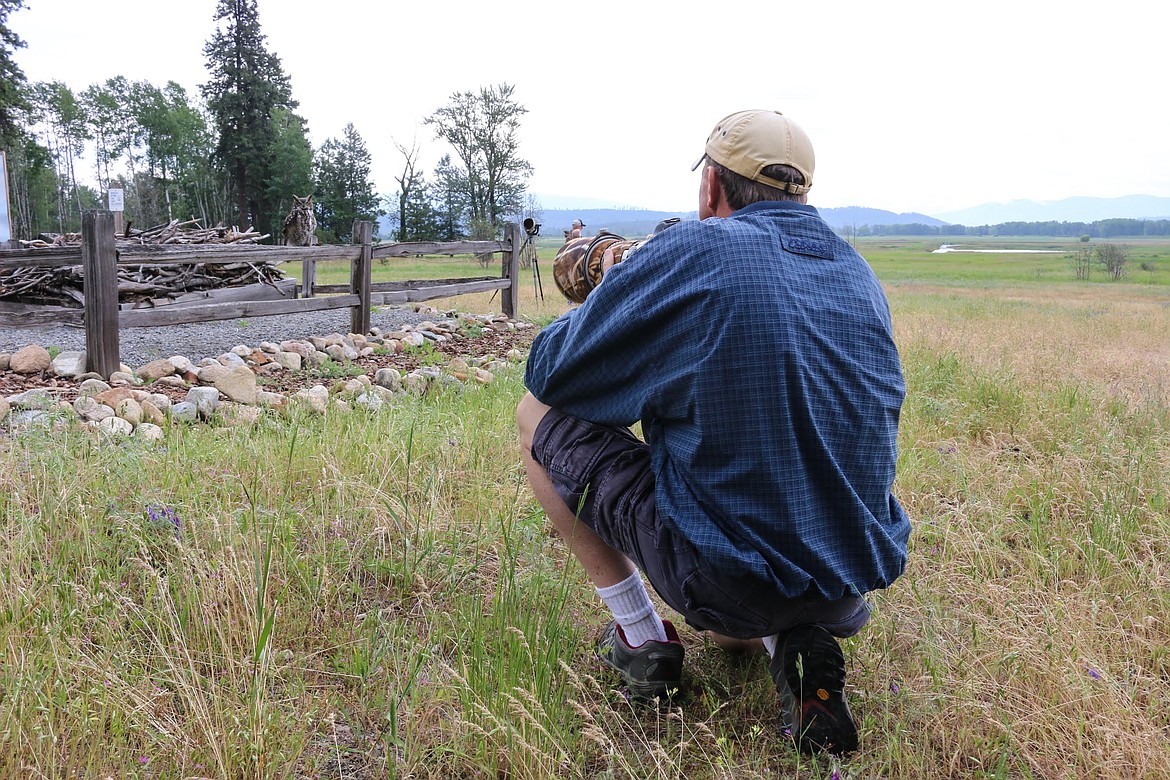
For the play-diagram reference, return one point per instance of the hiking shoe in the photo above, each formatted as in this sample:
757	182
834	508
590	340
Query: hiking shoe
809	672
652	670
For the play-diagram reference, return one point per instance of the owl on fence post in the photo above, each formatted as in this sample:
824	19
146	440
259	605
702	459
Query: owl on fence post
300	226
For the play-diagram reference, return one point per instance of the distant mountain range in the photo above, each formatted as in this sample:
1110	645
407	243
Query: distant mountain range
629	221
1067	210
632	222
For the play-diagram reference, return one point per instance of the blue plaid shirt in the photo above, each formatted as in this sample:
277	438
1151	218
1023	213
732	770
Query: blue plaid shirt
757	351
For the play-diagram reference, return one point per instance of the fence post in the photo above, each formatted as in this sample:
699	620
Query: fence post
359	278
511	298
308	276
99	263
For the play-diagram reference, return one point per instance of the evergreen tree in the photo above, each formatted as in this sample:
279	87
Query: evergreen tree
450	200
292	160
344	189
13	99
247	84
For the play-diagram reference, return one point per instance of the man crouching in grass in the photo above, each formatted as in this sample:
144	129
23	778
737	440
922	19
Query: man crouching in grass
756	348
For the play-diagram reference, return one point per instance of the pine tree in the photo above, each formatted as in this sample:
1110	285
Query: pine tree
247	84
344	189
13	100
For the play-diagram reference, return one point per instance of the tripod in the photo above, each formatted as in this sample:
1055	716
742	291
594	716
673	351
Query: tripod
528	252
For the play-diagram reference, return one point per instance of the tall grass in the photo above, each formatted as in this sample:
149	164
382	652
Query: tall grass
377	595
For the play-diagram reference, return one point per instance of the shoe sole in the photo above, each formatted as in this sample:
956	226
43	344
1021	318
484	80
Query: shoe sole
814	668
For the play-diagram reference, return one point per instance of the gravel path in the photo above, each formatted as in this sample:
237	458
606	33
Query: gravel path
198	340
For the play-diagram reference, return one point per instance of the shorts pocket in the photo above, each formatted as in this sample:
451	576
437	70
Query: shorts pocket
724	606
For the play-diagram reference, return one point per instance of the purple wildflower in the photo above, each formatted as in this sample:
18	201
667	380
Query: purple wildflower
1094	673
836	775
164	514
894	687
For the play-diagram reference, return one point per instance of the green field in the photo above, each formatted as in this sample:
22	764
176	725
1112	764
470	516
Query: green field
373	596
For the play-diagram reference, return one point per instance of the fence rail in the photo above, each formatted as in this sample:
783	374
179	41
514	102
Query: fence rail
99	256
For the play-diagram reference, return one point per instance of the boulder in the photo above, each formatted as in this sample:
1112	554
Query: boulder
30	360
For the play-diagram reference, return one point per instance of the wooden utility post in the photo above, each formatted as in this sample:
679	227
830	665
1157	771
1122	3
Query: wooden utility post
360	277
99	263
511	297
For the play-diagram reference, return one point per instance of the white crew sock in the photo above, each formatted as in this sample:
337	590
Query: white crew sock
633	610
771	643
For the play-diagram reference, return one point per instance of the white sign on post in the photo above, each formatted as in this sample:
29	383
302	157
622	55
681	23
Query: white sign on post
117	200
5	223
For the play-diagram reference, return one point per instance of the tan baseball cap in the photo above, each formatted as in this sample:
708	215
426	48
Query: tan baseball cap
746	142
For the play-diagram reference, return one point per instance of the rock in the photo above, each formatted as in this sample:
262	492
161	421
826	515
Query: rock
483	376
232	360
4	408
23	419
342	353
270	400
173	381
156	369
149	432
182	365
115	396
209	375
241	414
186	411
115	426
370	401
68	364
124	379
162	402
205	399
130	411
270	347
288	359
388	378
93	387
30	360
416	383
37	398
516	356
5	360
153	414
315	399
238	385
302	348
89	408
242	350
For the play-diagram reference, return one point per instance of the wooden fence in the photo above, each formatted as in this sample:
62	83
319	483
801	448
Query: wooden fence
102	316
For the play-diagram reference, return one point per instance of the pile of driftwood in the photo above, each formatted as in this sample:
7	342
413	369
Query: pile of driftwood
174	232
63	286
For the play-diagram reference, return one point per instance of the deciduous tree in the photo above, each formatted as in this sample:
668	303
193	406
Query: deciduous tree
482	128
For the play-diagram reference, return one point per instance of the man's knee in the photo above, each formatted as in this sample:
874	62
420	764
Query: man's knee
529	413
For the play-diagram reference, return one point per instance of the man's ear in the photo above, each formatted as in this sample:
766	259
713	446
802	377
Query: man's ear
714	189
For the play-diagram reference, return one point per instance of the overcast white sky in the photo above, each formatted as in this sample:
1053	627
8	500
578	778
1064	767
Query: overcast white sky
911	106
